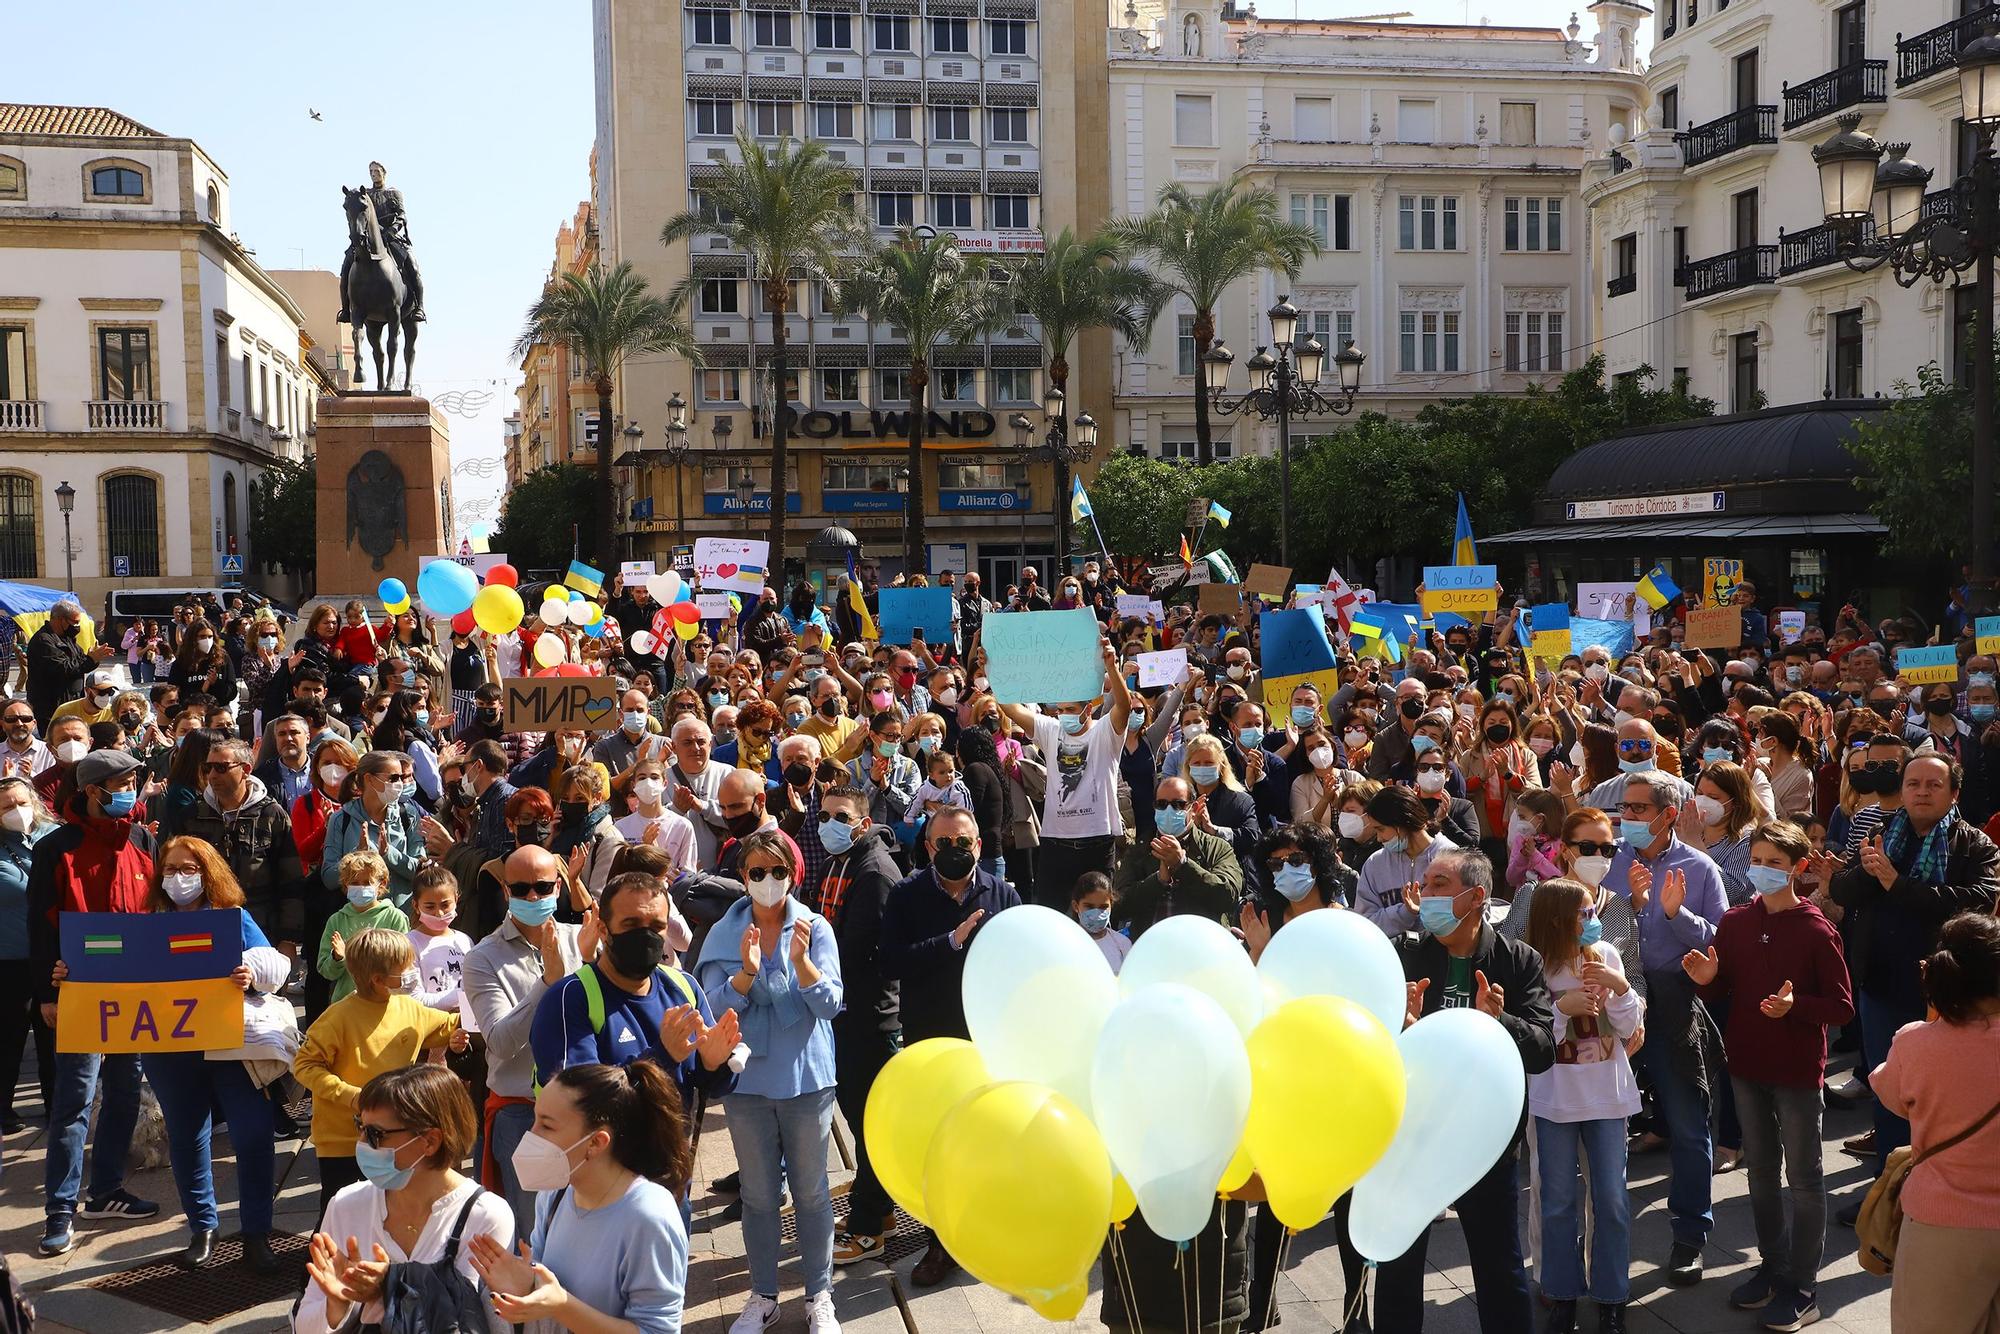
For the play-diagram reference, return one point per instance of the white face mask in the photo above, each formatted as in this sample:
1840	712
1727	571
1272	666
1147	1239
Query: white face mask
333	775
1320	757
770	891
205	643
408	983
1597	672
1622	717
1592	870
182	887
18	820
1468	711
1708	807
542	1164
648	790
69	752
948	696
1235	671
1352	824
1576	757
1430	782
1355	738
1519	829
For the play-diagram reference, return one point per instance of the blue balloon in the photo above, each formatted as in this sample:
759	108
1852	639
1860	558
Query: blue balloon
575	595
686	594
595	629
447	588
392	591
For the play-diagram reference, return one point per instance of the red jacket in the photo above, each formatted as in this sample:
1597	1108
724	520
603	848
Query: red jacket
1759	951
309	815
89	864
357	644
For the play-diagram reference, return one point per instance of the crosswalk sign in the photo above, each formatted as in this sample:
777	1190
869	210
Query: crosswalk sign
232	565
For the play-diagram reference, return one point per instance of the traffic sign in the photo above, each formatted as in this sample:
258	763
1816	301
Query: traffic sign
232	564
121	567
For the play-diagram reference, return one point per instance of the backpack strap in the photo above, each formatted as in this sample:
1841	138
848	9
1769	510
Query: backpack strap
458	1228
680	982
1959	1138
593	997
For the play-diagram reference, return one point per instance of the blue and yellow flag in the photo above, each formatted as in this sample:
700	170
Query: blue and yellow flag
1658	587
1079	500
859	605
584	579
1463	552
1218	514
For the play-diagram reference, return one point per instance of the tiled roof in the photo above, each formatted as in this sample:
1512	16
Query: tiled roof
92	122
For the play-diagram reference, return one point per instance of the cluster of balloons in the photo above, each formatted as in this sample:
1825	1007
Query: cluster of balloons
1083	1096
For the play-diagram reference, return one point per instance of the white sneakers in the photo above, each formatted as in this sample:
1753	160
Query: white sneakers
759	1314
819	1315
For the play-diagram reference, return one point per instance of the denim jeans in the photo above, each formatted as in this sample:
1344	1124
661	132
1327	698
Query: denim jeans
1559	1145
1690	1156
510	1124
785	1137
1784	1122
1880	1018
76	1081
859	1057
994	866
190	1088
1488	1213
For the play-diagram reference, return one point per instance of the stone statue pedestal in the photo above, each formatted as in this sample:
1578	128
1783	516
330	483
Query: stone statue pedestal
384	491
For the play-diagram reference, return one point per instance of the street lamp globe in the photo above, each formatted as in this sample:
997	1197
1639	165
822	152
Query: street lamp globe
721	432
1260	366
677	413
1086	433
1979	82
1284	322
1347	365
1310	355
1847	164
1022	426
1899	192
1215	366
1052	406
66	497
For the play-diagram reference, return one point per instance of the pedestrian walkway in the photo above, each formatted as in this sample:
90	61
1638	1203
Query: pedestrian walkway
873	1298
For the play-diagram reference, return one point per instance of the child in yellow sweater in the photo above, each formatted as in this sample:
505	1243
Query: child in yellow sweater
380	1027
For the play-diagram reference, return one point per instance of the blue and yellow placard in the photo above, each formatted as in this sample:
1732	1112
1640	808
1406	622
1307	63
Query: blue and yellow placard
1987	634
1466	589
1295	652
1550	638
151	982
1927	666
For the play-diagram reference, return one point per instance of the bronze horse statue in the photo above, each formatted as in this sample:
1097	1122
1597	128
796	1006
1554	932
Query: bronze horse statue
376	297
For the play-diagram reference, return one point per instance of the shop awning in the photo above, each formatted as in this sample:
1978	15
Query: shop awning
1738	527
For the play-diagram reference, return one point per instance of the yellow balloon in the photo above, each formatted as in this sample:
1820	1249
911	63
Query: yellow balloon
1123	1201
1063	1306
497	609
1320	1060
1240	1167
905	1104
592	613
1018	1186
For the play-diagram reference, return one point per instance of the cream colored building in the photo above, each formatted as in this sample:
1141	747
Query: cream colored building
557	402
1711	247
146	359
985	118
1438	164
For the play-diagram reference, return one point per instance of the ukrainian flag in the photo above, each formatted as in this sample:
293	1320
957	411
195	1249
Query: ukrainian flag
859	606
1658	588
584	579
1218	514
1079	500
1463	552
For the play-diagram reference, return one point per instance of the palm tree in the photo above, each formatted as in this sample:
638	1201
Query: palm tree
604	317
1203	244
790	210
1078	284
927	289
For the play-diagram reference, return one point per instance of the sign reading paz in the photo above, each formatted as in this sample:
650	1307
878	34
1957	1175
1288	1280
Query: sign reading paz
548	703
150	982
1716	627
1461	588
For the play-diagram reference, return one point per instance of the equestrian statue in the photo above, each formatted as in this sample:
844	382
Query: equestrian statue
379	283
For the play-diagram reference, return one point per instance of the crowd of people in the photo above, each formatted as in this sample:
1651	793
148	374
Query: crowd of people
509	971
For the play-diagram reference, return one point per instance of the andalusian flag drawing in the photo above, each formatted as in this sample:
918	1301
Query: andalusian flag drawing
150	982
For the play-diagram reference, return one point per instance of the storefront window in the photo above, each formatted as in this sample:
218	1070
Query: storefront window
1808	573
723	477
981	475
859	475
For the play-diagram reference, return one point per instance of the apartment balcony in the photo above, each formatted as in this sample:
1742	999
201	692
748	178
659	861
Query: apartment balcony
117	414
1724	135
1623	284
1750	266
1931	53
20	414
1849	86
1812	248
1312	153
1013	157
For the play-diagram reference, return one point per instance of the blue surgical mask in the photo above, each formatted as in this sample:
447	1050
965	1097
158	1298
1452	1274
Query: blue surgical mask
1767	879
410	677
379	1166
1095	920
635	721
1204	775
1250	738
1395	843
1071	723
267	642
1419	743
532	912
423	717
1593	931
1980	679
835	837
886	749
1636	766
1506	695
795	721
1294	882
1136	723
120	803
1638	834
1717	755
717	698
926	744
1436	915
1980	713
1170	822
361	897
1303	715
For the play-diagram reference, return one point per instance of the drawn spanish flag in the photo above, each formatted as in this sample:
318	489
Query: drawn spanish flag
201	944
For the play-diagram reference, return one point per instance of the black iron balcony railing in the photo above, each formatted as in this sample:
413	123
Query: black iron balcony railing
1726	134
1836	90
1812	248
1747	267
1936	51
1622	284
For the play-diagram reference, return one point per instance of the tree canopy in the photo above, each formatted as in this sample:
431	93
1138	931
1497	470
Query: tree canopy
541	518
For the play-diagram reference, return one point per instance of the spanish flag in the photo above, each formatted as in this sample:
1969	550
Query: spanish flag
1463	552
1187	556
1658	588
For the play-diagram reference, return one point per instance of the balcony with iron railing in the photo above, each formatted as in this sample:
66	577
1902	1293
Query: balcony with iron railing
1622	284
1724	135
1732	271
119	414
1934	52
1813	247
20	414
1849	86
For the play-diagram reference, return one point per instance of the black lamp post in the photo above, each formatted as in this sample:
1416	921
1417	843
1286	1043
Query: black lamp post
1283	387
66	501
1876	197
675	452
1065	449
902	480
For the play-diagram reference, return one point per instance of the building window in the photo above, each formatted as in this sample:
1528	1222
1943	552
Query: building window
839	384
1847	354
950	37
1625	256
833	32
722	386
125	365
14	362
132	522
1312	119
1670	108
951	124
839	474
721	478
1175	450
17	527
13	180
1013	385
711	27
1187	355
1007	125
117	183
1333	328
771	27
1429	341
895	210
709	211
892	386
1532	223
714	117
1534	340
1743	372
1009	211
1194	121
719	297
951	210
1427	222
1517	124
214	200
892	32
833	120
895	122
771	120
1416	121
1009	37
981	475
229	531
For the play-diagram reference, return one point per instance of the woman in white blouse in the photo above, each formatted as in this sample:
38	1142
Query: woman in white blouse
411	1206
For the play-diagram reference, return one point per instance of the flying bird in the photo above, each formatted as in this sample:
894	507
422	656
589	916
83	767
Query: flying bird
314	114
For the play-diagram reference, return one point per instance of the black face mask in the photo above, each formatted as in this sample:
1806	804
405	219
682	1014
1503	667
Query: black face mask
130	721
1499	734
798	774
1937	708
830	707
636	953
828	771
488	716
952	862
1884	707
745	824
573	812
1412	708
531	836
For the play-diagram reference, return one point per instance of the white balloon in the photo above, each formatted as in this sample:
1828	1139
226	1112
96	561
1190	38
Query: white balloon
664	586
1170	1091
1199	953
579	612
1036	990
1334	953
553	612
641	641
549	650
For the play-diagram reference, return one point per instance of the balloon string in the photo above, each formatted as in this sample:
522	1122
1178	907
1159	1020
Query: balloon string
1180	1255
1284	1250
1122	1273
1222	1254
1357	1299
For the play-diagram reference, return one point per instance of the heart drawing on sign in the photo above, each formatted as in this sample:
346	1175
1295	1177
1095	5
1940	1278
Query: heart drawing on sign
597	712
725	571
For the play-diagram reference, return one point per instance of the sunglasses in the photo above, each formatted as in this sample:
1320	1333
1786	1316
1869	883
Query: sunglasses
836	817
1586	848
1635	746
531	889
965	841
217	766
20	720
1170	805
1288	859
376	1137
764	735
758	875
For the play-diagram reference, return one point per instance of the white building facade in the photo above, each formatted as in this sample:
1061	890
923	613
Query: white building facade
1714	257
146	359
1438	165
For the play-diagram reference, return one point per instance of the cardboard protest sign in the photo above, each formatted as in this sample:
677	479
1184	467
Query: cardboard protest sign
1220	599
635	569
1927	666
1267	581
549	703
1043	657
1987	630
1166	668
150	982
906	609
1466	589
1791	625
735	563
1719	577
713	606
1715	627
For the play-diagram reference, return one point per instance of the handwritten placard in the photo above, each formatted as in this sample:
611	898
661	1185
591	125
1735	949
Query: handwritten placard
1928	665
1043	657
1135	605
1549	631
1294	643
150	982
1461	588
713	606
1716	627
904	610
1168	667
1791	626
1267	581
1220	599
1987	630
735	563
550	703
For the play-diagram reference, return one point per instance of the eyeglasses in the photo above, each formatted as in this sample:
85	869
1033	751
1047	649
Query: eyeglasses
531	889
1586	848
1288	859
376	1136
1636	808
836	817
19	719
759	874
1635	746
1430	768
966	841
1165	804
756	735
217	766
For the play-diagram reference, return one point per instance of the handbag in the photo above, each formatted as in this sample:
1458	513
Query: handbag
432	1297
1881	1217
